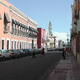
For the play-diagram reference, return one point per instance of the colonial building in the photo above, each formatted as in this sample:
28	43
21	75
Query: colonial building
75	30
60	44
51	39
17	31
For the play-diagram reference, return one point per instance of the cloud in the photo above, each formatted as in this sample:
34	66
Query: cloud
61	36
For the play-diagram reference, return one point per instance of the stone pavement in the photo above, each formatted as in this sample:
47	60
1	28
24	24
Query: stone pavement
67	69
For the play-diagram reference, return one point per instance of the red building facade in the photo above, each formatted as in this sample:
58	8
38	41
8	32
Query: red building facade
41	37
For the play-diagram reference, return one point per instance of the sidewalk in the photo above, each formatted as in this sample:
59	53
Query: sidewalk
67	69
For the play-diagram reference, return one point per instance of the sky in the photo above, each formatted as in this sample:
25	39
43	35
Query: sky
43	11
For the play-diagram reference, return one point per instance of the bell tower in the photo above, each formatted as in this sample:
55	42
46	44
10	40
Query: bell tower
50	29
51	38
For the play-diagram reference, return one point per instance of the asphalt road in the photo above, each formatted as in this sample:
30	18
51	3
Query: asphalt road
29	68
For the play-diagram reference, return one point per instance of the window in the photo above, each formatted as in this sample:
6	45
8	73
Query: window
12	44
32	43
6	21
12	28
20	45
5	26
2	44
7	44
15	44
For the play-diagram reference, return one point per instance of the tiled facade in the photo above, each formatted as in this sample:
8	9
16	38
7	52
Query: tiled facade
17	31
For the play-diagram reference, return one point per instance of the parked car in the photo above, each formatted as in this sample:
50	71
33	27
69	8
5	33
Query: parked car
26	52
12	53
5	54
1	56
22	53
30	51
16	53
38	51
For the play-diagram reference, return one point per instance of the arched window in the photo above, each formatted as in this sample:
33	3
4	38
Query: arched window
6	21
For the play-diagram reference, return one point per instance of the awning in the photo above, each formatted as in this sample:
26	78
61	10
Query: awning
6	17
30	28
36	30
18	23
23	26
13	21
26	27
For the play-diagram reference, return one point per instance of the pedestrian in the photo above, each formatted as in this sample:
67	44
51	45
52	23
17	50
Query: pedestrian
63	54
42	52
33	53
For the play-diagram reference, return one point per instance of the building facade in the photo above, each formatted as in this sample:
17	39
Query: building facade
17	31
60	44
51	41
41	38
75	30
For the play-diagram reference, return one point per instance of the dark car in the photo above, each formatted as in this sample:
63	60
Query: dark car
26	52
38	50
16	53
1	56
30	51
12	53
22	53
5	54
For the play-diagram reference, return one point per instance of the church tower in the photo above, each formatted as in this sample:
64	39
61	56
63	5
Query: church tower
50	29
51	37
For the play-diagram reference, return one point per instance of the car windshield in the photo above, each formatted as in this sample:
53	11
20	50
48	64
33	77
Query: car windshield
4	51
10	50
0	51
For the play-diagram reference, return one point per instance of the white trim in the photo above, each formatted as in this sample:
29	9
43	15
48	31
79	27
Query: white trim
7	39
3	38
20	13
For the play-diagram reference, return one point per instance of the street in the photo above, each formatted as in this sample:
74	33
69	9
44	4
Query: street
28	68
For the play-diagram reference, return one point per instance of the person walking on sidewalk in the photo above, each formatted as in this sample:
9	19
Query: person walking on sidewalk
64	53
42	52
33	52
